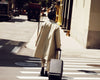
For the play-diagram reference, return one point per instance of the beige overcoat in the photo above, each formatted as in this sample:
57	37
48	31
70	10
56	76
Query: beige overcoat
48	41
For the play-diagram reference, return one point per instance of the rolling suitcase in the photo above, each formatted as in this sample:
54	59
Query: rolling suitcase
56	69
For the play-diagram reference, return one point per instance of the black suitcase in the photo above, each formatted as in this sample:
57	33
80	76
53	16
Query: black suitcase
56	69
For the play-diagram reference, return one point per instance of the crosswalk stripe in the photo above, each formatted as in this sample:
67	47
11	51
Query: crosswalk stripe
81	69
77	73
64	73
79	63
80	78
86	59
65	66
1	46
71	67
81	60
32	77
86	78
76	66
46	78
16	49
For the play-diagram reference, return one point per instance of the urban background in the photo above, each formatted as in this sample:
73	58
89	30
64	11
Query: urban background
79	25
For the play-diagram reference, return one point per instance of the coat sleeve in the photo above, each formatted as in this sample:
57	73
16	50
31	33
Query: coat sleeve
38	36
57	38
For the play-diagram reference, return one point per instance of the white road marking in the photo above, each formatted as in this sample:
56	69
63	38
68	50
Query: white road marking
32	77
86	78
46	78
1	46
81	60
16	49
64	73
77	66
78	73
80	78
79	63
68	65
82	69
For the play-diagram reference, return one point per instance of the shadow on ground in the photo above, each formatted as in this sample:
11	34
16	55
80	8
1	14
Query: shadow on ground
88	72
13	20
17	20
10	59
5	19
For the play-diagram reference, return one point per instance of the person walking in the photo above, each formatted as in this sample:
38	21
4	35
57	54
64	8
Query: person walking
47	44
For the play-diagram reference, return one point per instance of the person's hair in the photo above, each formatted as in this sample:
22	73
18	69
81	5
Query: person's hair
51	15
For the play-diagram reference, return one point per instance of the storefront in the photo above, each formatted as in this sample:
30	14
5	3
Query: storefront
67	14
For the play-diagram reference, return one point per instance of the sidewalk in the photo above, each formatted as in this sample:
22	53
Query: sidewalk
69	46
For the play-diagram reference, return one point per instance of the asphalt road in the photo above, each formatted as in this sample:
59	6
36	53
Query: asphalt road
17	29
14	34
17	62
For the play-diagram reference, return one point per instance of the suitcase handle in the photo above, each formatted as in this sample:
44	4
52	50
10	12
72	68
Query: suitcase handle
58	49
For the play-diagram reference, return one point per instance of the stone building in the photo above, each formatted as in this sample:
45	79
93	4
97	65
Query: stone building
81	18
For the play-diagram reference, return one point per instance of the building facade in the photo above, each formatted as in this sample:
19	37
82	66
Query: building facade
82	18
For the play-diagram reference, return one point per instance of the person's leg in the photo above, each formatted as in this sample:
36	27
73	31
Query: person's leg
47	68
42	65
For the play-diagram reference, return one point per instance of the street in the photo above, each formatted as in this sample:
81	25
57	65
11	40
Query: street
74	69
14	34
17	62
17	29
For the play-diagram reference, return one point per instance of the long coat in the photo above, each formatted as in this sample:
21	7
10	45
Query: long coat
48	41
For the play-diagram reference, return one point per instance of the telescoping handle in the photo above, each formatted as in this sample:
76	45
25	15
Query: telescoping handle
59	54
